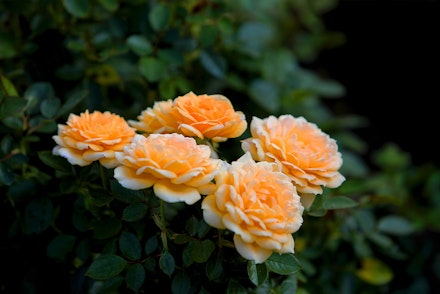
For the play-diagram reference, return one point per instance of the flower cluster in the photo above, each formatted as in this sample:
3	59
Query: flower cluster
171	148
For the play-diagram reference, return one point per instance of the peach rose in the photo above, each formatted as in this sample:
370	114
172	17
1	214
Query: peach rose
208	116
157	119
92	136
259	204
177	168
300	149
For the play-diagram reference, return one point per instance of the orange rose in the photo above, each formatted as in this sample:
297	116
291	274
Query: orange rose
259	204
208	116
177	168
157	119
300	149
90	137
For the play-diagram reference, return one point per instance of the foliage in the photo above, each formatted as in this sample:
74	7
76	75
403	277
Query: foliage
63	229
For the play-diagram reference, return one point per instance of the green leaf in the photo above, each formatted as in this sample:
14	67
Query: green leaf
151	245
395	225
134	212
60	246
7	176
283	264
105	267
130	245
7	46
35	94
338	202
375	272
72	100
234	287
56	162
254	37
150	264
202	250
38	216
214	268
152	69
107	228
257	272
78	8
12	106
191	225
289	285
208	35
126	195
203	228
140	45
50	106
181	283
110	5
159	16
167	263
265	94
8	86
21	190
213	63
135	277
7	144
111	285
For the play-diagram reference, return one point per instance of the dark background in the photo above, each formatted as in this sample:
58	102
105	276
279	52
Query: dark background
389	65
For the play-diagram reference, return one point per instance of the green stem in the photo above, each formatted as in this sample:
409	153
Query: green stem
103	176
163	234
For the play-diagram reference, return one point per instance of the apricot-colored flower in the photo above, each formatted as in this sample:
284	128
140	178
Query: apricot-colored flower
156	119
259	204
208	116
178	169
92	136
301	150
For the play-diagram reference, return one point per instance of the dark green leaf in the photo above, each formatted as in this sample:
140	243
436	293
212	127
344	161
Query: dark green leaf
60	246
130	245
213	63
7	176
56	162
150	264
191	225
167	263
35	94
135	277
7	47
265	94
107	228
214	267
23	189
49	107
234	287
140	45
111	285
151	245
110	5
283	264
257	272
78	8
181	283
202	250
395	225
7	144
12	106
159	16
134	212
208	35
73	100
338	202
203	228
105	267
126	195
38	216
289	285
152	69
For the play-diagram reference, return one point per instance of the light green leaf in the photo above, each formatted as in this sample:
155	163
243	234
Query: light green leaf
106	266
8	86
140	45
395	225
338	202
375	272
283	264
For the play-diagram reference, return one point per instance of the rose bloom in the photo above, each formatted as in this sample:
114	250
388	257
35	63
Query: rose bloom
259	204
208	116
156	119
300	149
178	169
92	136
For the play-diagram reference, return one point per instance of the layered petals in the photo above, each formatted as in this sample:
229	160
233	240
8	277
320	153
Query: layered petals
300	149
156	119
259	204
92	137
178	169
208	116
